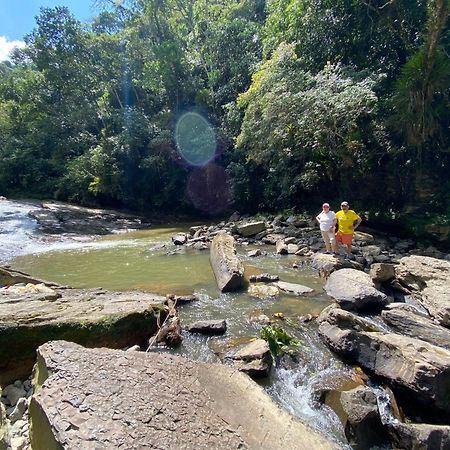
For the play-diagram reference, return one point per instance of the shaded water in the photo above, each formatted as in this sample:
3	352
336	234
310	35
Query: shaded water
147	260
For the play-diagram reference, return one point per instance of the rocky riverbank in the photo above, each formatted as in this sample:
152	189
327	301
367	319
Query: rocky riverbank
391	318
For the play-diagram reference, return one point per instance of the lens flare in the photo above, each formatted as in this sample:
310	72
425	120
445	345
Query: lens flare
195	139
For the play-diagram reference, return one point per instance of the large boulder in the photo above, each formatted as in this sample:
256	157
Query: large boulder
429	277
363	427
419	436
251	229
227	267
417	370
354	290
102	398
89	317
402	319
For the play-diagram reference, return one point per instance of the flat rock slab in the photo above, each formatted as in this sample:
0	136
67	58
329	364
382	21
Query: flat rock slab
326	264
293	288
405	321
354	290
89	317
251	229
102	398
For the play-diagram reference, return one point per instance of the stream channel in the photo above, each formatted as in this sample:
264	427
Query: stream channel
147	260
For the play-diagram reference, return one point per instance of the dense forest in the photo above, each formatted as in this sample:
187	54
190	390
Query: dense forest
234	104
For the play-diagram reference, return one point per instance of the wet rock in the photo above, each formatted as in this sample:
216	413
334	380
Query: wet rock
200	246
418	436
417	370
363	427
254	253
327	264
208	327
19	410
405	321
264	277
251	229
354	290
180	239
260	319
293	288
58	217
100	398
9	277
182	299
292	249
382	272
272	239
92	317
263	290
227	268
254	358
430	278
281	248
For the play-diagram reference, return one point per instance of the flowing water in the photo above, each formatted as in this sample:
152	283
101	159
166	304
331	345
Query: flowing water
147	260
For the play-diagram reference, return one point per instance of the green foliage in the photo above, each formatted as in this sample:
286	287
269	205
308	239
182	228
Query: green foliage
280	342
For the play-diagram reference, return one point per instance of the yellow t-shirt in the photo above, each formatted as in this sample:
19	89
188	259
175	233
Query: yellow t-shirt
345	221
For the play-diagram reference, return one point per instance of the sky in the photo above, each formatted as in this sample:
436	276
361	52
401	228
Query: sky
17	18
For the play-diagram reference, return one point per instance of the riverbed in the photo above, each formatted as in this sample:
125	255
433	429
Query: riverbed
147	260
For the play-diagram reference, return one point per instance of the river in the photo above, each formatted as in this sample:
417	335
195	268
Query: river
147	260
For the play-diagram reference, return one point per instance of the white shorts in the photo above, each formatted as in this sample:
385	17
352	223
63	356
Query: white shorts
328	236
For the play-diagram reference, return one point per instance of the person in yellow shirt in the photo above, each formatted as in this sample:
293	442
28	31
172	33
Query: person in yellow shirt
347	221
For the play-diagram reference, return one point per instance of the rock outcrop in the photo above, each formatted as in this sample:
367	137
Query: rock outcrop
227	267
102	398
415	368
430	279
89	317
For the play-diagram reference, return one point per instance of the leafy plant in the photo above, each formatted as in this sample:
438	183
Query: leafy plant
280	341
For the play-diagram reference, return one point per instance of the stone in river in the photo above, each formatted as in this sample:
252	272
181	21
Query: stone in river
208	327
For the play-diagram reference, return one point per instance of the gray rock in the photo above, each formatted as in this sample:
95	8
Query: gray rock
227	268
419	436
254	358
208	327
261	290
3	425
19	410
363	427
180	239
281	247
88	316
13	394
292	249
327	264
101	398
365	238
254	253
354	290
415	368
430	278
263	277
235	216
406	321
293	288
382	273
272	239
289	240
251	229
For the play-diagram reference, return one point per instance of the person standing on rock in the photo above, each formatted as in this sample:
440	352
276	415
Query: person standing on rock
348	221
327	223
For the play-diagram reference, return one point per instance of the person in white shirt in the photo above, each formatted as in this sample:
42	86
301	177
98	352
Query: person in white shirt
327	223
